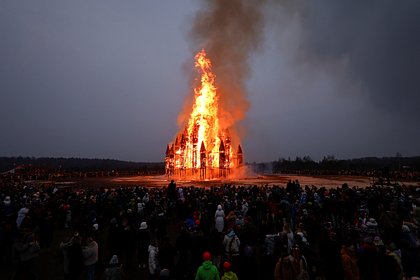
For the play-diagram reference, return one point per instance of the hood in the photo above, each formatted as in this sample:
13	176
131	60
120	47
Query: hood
231	234
207	265
23	211
143	225
7	201
372	223
219	207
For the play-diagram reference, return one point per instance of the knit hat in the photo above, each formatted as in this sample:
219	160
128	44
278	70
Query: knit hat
143	225
226	266
206	256
114	260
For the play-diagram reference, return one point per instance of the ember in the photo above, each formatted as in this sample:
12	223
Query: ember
204	149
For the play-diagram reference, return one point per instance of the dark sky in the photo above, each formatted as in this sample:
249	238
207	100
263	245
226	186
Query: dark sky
108	79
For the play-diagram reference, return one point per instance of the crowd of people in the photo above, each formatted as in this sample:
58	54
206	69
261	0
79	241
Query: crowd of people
218	232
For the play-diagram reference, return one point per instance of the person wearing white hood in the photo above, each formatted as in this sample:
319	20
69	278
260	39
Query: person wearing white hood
153	259
7	201
220	218
8	207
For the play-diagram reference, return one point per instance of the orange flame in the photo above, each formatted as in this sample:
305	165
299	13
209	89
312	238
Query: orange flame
203	125
203	144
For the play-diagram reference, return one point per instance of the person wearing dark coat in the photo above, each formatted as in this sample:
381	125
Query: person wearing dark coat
143	242
128	243
167	253
350	267
75	258
114	270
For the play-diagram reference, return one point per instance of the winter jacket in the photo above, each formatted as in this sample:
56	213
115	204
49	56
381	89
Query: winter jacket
207	271
21	216
153	259
351	270
229	276
63	247
113	273
231	243
90	253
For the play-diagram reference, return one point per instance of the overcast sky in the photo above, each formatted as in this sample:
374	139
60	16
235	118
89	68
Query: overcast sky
108	79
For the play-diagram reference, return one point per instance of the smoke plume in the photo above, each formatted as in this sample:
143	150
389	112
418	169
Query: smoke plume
229	31
378	40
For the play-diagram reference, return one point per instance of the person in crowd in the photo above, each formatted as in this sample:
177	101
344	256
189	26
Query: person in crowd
324	220
75	257
143	242
183	246
164	274
231	219
128	242
172	191
300	263
287	232
232	245
27	250
90	257
228	274
207	271
64	245
153	259
219	217
22	215
350	267
286	268
215	245
167	254
114	270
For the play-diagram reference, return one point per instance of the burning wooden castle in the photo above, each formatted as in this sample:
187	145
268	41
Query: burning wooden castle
204	149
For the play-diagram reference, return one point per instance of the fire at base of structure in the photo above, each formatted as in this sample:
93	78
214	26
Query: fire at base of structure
187	158
204	149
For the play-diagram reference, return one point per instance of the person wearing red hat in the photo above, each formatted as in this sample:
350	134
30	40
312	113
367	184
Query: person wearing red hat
207	271
228	274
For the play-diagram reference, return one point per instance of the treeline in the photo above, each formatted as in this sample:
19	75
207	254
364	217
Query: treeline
330	164
299	165
77	164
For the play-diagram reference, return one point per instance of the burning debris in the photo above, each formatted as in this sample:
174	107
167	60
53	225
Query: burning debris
204	149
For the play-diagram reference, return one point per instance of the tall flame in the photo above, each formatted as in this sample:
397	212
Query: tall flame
203	125
204	144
